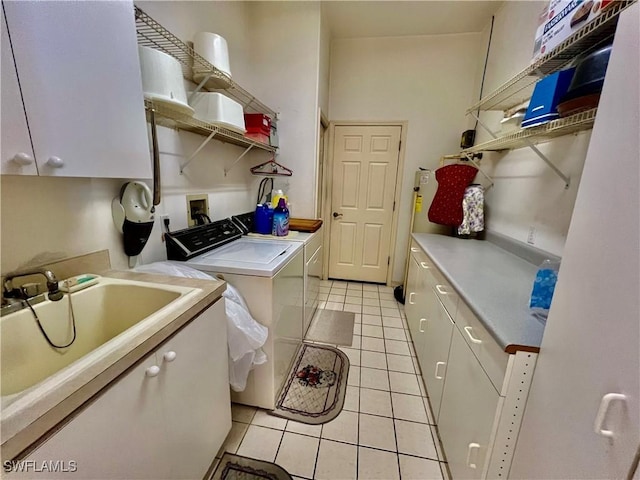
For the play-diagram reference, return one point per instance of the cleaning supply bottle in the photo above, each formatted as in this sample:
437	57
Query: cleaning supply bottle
281	219
277	195
543	288
263	219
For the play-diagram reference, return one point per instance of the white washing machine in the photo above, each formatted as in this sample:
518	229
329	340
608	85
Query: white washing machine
312	260
269	275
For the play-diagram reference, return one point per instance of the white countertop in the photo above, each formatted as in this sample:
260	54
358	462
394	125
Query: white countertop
493	282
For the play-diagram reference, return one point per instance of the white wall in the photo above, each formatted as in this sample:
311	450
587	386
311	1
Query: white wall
425	80
526	193
285	55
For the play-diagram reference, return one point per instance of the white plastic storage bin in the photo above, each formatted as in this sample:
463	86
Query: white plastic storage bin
215	108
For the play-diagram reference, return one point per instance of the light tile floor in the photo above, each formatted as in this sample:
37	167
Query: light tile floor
385	430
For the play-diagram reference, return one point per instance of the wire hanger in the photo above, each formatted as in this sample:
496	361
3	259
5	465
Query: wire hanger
271	168
466	158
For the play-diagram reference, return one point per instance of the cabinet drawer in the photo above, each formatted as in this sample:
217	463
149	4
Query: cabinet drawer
313	245
421	258
492	358
444	291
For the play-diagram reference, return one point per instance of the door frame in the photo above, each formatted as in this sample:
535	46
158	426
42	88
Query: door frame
326	209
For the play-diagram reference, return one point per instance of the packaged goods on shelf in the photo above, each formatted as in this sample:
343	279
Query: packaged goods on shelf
562	18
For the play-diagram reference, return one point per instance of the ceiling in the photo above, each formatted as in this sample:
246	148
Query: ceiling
356	19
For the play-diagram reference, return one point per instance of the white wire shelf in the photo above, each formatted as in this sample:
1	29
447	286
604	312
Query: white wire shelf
527	136
168	117
152	34
520	87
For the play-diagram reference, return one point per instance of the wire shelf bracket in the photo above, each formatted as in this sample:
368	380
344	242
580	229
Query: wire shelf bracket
227	170
197	151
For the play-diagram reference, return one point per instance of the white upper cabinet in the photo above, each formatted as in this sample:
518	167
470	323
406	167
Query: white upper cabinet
79	73
17	154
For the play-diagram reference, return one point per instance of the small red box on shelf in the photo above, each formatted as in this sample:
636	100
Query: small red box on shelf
258	137
258	123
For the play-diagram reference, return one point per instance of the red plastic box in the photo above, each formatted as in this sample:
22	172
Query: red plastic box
257	123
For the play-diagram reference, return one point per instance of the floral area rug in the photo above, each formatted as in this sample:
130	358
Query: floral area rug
236	467
316	386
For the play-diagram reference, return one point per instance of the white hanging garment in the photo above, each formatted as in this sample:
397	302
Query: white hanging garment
472	210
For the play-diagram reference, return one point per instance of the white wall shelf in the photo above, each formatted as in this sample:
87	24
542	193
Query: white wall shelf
170	118
519	88
524	136
152	34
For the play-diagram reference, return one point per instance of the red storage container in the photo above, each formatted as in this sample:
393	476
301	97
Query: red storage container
257	123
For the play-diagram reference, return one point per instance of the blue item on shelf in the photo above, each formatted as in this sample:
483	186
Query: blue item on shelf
546	96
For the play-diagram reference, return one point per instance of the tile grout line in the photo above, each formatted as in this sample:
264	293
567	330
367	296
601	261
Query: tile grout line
393	419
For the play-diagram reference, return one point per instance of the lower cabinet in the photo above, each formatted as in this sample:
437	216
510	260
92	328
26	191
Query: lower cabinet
434	354
166	418
476	390
430	326
469	404
313	274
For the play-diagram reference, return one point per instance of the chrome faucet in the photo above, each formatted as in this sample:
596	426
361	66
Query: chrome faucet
9	291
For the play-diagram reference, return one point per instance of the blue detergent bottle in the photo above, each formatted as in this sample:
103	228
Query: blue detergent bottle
263	219
281	219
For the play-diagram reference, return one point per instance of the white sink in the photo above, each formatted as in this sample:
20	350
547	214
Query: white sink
104	313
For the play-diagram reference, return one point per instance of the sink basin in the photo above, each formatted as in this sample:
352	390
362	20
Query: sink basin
102	312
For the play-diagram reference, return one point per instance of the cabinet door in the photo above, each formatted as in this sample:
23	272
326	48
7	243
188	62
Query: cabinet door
80	77
195	388
412	300
17	155
469	404
434	354
121	435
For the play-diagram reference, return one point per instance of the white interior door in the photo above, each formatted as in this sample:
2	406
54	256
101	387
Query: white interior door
365	167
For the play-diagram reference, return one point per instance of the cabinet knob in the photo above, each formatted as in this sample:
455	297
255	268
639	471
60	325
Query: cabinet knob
437	374
152	371
22	158
410	300
55	162
424	265
169	356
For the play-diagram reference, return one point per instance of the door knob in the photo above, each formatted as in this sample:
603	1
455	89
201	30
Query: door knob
337	215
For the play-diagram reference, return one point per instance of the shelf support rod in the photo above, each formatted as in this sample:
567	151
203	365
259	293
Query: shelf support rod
544	158
200	85
535	149
193	155
489	131
227	170
470	159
